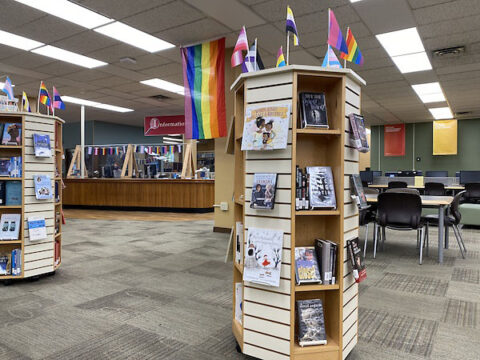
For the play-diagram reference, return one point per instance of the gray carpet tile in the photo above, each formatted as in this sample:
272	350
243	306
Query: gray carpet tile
461	313
7	353
467	275
413	284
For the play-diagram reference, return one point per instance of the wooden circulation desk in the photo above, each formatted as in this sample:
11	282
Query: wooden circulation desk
179	194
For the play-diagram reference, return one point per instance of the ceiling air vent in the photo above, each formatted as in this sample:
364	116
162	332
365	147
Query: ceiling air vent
159	97
452	51
463	113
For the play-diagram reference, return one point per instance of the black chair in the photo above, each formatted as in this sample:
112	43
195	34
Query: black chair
366	216
434	189
397	184
472	192
399	211
452	219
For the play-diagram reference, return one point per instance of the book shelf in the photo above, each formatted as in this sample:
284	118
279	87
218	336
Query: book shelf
269	323
38	257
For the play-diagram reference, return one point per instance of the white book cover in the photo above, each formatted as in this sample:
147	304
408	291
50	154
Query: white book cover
239	242
238	301
37	229
263	256
9	226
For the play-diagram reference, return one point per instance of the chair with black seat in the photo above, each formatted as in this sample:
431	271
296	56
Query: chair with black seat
452	219
397	184
434	189
366	216
399	211
472	192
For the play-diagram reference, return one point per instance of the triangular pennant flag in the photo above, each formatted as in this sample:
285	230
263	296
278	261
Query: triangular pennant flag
335	36
330	59
57	100
280	58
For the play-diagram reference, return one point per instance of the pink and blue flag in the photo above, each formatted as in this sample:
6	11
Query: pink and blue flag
8	88
335	36
331	60
57	100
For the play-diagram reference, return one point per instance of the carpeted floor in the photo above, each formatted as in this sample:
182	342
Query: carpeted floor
160	290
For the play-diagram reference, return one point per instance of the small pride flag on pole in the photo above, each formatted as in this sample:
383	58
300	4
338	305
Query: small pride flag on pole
280	58
8	88
291	27
330	59
354	55
43	97
25	103
242	44
335	36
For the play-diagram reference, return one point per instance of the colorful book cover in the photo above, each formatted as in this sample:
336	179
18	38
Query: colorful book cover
263	191
12	134
9	226
321	187
359	270
266	127
43	187
311	322
306	266
314	110
5	263
15	168
41	144
359	136
5	167
16	262
37	229
13	193
263	256
239	242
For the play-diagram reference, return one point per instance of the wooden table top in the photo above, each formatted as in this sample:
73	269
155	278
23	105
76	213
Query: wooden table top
451	187
426	200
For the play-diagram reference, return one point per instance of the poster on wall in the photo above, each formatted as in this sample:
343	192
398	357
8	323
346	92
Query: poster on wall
164	125
394	140
445	137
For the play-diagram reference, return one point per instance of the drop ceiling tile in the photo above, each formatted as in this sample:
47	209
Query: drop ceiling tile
8	51
459	39
384	16
120	94
28	60
386	74
303	57
85	42
113	54
144	62
268	38
49	29
421	77
274	10
446	11
110	82
58	68
122	72
163	70
452	26
14	15
416	4
87	75
130	87
118	9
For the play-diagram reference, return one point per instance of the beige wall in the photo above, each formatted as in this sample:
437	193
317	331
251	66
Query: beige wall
364	158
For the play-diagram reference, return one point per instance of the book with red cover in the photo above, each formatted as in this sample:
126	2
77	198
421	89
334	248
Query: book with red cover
356	260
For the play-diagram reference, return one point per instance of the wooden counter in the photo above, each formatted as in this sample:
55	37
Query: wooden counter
140	193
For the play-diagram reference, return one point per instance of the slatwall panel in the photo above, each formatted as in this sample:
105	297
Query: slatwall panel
38	256
350	226
267	309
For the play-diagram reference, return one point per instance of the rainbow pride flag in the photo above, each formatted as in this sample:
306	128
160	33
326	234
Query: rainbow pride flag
204	82
354	55
43	95
335	36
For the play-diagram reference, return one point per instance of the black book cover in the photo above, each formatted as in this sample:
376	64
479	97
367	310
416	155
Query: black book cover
358	189
311	322
356	260
2	193
314	110
263	191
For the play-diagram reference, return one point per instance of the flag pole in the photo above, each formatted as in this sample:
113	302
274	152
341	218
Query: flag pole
256	51
38	99
53	105
288	45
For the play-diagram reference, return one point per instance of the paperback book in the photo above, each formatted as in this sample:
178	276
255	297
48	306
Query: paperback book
13	193
5	167
12	134
314	110
5	263
306	266
16	259
263	191
302	201
238	301
356	260
43	187
41	144
10	226
321	187
327	257
359	136
358	190
263	256
311	323
3	192
239	245
15	168
37	229
266	127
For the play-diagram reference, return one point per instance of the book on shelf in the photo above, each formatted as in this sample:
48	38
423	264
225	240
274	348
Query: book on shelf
358	190
3	192
5	263
311	322
10	226
321	187
327	257
301	197
263	191
16	259
306	266
12	134
263	256
57	192
5	166
37	229
41	143
266	127
359	137
15	168
58	220
13	193
239	242
57	252
359	269
238	301
43	187
313	110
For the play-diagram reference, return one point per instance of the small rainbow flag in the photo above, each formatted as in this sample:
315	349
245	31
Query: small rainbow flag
204	82
335	36
242	44
330	59
57	100
354	55
280	58
291	27
43	95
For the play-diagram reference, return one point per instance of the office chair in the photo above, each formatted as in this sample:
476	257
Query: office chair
403	191
472	193
434	189
399	211
397	184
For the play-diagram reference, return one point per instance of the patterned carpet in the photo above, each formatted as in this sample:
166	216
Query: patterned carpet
160	290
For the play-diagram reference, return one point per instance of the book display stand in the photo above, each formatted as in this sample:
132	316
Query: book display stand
40	256
269	326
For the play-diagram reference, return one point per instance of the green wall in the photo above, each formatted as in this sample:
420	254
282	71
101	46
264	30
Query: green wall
468	157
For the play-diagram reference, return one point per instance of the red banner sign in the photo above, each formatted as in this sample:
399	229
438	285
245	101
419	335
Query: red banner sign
164	125
394	140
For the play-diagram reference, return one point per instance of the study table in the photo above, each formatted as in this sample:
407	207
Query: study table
385	186
442	202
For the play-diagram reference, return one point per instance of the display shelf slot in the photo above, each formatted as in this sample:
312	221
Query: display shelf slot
316	287
330	346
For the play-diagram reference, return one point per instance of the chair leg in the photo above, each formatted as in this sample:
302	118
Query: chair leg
427	238
459	240
422	234
375	239
447	230
461	237
365	243
418	238
383	238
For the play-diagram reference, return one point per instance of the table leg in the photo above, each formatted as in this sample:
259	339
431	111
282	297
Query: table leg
446	236
441	227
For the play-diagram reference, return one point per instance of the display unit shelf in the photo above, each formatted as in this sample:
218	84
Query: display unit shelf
38	257
269	329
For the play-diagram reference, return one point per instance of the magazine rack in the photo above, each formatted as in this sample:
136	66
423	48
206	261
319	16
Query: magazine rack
269	329
37	257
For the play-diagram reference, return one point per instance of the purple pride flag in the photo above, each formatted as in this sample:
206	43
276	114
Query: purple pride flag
335	36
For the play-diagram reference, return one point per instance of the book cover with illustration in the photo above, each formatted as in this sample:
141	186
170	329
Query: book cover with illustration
42	145
311	322
12	134
314	110
43	187
238	301
306	266
359	270
37	229
263	191
10	226
359	136
321	187
358	190
266	127
263	256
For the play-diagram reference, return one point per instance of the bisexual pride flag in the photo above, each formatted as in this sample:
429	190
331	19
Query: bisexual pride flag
335	36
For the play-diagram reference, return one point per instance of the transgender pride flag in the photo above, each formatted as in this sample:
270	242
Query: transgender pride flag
335	36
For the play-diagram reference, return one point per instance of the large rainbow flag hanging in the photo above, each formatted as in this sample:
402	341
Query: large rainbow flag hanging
354	55
204	82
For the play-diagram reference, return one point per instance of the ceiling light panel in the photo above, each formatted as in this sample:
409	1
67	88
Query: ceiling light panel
68	56
429	92
401	42
412	62
18	42
129	35
441	113
164	85
74	100
69	11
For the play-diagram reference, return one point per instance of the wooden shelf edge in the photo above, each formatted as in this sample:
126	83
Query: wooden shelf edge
237	330
317	212
239	202
10	146
9	242
239	267
331	346
11	178
312	131
7	277
316	287
10	206
57	235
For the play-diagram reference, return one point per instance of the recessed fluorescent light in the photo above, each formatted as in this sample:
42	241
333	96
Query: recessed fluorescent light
412	62
18	42
69	11
68	56
354	1
401	42
134	37
429	92
441	113
164	85
94	104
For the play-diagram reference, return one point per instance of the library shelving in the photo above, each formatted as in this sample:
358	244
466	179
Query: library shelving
269	323
42	256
